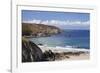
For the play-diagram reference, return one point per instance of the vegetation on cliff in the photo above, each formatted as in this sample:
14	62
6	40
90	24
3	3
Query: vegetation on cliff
39	30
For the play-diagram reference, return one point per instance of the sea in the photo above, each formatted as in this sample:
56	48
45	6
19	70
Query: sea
67	38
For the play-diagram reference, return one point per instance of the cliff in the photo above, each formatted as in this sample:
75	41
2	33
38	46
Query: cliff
32	53
39	30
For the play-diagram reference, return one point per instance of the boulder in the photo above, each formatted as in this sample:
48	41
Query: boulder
48	56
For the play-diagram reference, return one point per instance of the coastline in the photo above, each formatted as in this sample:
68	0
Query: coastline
66	53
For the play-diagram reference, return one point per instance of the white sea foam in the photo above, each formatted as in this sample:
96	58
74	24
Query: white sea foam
67	48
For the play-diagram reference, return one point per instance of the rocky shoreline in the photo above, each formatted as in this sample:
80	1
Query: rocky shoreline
33	53
30	51
62	54
39	53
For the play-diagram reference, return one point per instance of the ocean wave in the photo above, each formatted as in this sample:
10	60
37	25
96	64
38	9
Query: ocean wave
69	48
73	48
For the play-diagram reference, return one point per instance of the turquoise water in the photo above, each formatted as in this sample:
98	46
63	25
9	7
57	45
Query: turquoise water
68	38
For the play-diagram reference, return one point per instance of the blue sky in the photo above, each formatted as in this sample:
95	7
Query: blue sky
66	20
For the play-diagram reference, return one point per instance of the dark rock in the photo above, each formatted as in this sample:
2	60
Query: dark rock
40	44
30	52
48	56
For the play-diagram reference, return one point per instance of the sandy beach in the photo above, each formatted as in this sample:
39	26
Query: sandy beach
68	53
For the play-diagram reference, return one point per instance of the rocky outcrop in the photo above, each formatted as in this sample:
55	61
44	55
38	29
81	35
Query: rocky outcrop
32	53
48	56
39	30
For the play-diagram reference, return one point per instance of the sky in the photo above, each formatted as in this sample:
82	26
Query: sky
63	20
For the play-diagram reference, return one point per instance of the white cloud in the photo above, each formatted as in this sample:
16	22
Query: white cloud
33	21
59	22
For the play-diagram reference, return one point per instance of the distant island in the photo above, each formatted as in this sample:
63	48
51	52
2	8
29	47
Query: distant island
39	30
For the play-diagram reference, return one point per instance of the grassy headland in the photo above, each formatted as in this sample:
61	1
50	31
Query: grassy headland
39	30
